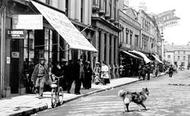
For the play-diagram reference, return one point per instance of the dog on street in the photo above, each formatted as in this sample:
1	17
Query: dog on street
137	97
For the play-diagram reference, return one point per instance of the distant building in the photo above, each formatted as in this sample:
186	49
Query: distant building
142	6
150	34
178	54
140	32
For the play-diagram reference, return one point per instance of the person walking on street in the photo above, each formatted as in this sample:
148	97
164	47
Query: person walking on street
156	71
171	69
40	76
87	76
148	70
143	72
105	73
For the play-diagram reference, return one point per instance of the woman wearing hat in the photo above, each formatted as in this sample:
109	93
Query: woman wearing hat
97	70
40	76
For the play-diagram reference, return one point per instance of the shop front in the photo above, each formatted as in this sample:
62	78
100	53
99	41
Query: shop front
57	40
129	64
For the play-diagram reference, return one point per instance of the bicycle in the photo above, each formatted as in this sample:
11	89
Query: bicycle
56	92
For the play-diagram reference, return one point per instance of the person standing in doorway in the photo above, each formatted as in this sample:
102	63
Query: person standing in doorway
69	74
40	76
78	75
87	75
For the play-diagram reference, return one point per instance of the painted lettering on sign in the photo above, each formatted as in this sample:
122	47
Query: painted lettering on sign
16	34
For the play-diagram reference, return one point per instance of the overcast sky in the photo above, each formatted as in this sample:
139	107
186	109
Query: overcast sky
179	34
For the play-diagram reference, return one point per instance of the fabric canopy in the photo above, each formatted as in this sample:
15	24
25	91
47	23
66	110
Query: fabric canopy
157	59
146	59
65	28
131	54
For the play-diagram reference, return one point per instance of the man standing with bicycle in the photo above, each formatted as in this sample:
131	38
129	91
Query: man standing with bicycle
40	76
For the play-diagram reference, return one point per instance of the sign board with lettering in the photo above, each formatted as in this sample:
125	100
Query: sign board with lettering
16	34
28	22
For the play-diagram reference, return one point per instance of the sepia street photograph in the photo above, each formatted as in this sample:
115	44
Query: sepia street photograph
94	58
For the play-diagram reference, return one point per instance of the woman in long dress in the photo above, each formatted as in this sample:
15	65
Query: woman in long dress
105	74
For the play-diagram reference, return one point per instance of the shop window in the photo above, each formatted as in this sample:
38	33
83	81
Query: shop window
29	46
136	40
62	48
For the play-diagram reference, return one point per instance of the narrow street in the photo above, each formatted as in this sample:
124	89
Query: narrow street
168	97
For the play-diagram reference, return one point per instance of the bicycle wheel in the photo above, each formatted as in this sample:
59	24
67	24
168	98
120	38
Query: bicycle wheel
61	95
53	98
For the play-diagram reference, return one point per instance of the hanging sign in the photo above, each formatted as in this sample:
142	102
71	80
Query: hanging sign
28	22
16	34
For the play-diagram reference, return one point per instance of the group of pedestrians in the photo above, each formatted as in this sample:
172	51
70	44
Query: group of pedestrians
101	74
144	71
78	71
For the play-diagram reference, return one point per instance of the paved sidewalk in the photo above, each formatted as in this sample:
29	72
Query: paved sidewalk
27	104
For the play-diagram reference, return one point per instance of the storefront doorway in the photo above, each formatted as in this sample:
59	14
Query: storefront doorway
16	65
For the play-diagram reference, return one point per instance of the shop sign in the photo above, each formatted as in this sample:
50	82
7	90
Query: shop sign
15	54
16	34
28	22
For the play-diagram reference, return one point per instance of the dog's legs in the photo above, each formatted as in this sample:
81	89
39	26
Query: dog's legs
127	107
142	104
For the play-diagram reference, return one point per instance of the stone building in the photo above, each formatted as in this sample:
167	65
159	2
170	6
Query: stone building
148	33
18	55
130	37
139	32
106	38
177	55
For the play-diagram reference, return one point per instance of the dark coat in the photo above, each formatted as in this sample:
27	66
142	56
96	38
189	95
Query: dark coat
56	71
88	72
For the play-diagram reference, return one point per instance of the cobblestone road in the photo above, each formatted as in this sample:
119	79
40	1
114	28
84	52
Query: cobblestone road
168	97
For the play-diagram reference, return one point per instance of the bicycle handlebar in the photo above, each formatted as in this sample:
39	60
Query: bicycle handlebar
57	77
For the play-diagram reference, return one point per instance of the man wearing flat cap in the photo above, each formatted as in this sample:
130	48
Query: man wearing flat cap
40	76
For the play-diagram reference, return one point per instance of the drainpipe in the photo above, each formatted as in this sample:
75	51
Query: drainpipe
2	43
